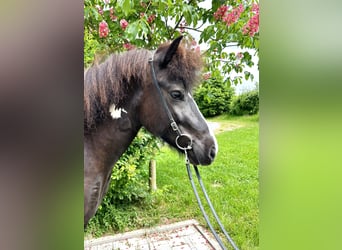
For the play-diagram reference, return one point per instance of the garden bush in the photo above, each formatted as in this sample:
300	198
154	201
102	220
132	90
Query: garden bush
214	95
245	104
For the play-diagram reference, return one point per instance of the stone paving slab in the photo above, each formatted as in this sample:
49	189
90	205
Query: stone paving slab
185	235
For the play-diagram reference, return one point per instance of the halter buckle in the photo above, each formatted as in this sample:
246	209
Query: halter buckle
174	126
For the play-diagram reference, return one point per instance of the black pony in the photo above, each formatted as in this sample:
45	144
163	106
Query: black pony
120	98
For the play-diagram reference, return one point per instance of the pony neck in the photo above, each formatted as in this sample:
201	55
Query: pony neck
111	139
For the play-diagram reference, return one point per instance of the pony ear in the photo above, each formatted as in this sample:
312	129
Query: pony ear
170	52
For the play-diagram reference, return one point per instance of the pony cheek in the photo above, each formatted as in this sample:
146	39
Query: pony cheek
156	122
159	127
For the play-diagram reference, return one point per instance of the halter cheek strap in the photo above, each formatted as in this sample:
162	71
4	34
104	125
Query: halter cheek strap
183	141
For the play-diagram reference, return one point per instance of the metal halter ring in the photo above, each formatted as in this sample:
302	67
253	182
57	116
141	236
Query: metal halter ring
184	139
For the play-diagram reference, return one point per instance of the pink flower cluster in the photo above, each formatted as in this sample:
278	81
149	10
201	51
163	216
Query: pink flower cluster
123	24
221	11
128	46
99	9
233	16
255	8
103	29
206	76
252	26
111	15
239	55
151	18
228	17
181	26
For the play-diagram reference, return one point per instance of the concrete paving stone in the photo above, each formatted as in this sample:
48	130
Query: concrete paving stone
185	235
185	231
108	246
120	245
161	243
143	244
184	247
200	244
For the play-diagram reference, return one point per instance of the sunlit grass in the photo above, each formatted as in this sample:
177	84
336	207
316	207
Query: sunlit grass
231	182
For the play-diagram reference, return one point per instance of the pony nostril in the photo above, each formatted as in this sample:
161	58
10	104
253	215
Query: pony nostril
212	152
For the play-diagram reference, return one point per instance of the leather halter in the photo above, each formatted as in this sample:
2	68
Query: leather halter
181	138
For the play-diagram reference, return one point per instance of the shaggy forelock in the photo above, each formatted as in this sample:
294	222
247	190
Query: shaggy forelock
186	64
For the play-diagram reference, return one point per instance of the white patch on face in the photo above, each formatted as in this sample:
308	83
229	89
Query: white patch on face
211	132
116	113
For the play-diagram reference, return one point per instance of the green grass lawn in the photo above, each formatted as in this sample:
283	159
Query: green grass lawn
231	182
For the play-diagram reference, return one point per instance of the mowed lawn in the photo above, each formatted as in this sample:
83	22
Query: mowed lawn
231	182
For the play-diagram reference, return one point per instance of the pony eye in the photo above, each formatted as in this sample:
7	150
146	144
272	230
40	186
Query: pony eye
176	95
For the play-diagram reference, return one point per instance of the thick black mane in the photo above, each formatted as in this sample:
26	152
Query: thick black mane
112	81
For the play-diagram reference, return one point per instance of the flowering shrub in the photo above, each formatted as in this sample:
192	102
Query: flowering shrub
239	55
111	15
123	24
103	29
221	12
252	26
232	16
229	17
206	76
128	46
126	24
151	18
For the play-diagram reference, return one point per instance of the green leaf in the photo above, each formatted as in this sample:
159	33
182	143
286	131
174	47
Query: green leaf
132	30
247	75
125	6
144	27
95	13
207	33
215	4
188	13
86	12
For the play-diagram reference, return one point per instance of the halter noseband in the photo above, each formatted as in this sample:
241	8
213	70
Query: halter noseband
181	138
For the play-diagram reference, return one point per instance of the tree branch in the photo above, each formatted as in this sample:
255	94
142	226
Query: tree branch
148	6
195	29
180	19
222	60
167	28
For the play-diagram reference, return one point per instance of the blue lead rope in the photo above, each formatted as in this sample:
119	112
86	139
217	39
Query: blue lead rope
218	239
